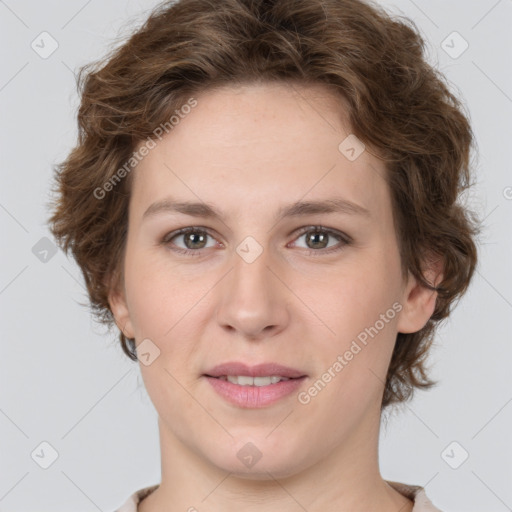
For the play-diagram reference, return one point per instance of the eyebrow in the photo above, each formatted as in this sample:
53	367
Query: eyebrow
297	209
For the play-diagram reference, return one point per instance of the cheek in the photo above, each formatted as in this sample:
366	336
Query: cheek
159	294
354	298
172	308
149	303
361	305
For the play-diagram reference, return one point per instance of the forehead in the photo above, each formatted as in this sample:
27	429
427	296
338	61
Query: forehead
244	144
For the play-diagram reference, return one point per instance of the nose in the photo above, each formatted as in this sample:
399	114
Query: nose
253	301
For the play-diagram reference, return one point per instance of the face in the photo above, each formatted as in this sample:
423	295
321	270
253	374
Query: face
316	288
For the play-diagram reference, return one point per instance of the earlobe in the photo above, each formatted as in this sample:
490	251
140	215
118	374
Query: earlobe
119	308
419	302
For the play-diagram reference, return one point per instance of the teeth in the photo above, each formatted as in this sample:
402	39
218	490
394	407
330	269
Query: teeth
244	380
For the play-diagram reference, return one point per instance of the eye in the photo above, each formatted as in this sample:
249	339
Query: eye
317	239
194	238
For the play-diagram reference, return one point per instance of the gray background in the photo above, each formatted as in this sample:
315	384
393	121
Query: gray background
64	380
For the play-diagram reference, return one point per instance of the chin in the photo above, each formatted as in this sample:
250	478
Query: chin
253	460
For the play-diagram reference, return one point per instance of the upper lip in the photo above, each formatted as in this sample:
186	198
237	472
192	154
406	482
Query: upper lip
260	370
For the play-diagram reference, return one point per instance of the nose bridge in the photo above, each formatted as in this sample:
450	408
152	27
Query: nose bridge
251	271
252	295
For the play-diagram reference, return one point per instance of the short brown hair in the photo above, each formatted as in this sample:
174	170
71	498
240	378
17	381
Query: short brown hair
397	103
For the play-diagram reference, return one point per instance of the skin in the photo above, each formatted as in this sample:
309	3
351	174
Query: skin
248	151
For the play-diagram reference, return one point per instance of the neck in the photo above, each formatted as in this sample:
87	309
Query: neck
347	479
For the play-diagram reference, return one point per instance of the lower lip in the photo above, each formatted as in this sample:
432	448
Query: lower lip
254	397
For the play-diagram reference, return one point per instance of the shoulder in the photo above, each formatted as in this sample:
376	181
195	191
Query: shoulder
416	494
130	505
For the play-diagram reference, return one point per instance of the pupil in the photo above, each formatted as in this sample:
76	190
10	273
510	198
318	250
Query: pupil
323	238
192	238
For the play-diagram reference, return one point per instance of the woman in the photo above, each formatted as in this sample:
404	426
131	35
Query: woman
263	198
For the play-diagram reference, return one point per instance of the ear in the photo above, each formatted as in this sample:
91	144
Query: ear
119	308
418	301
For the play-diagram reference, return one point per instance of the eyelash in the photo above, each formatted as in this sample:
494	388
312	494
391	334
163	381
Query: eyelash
343	239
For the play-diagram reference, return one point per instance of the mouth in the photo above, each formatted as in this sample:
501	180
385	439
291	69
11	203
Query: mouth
254	386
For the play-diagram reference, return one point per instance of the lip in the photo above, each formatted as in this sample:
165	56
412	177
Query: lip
260	370
254	397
